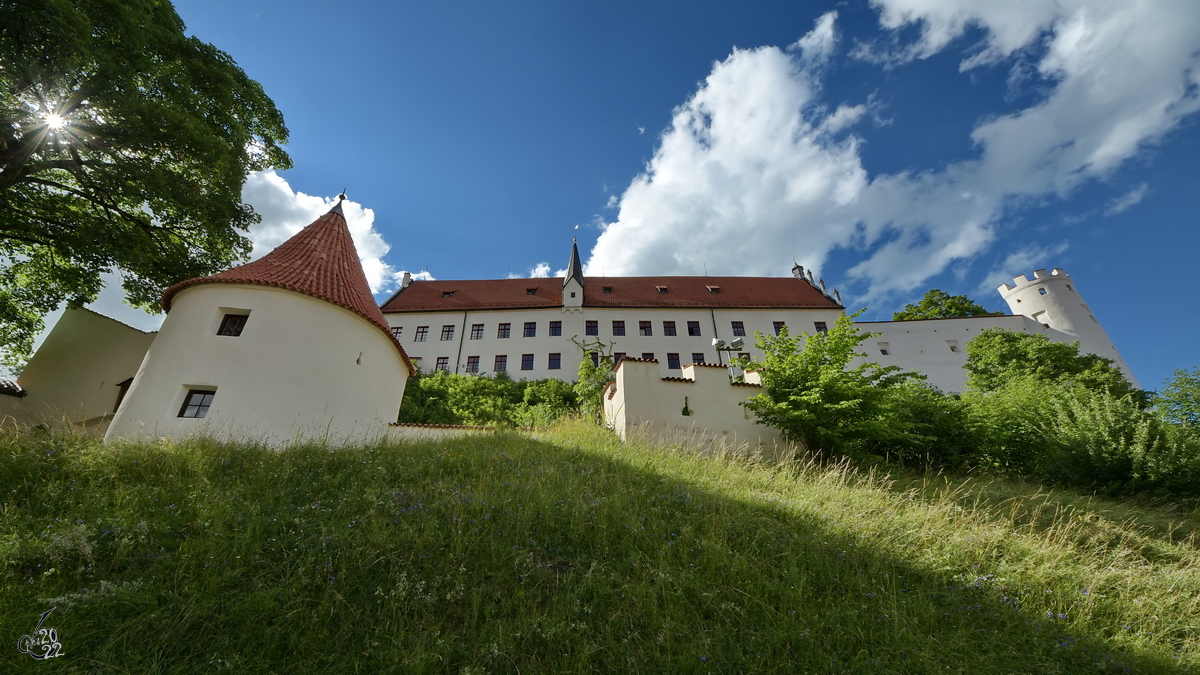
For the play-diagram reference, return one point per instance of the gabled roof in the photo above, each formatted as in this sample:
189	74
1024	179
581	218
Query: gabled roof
319	261
676	292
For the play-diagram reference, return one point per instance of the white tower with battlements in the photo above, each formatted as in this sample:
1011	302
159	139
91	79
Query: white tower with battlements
1053	300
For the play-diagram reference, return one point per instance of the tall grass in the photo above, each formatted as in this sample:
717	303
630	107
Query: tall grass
570	552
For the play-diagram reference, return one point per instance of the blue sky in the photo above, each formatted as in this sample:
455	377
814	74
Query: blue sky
895	145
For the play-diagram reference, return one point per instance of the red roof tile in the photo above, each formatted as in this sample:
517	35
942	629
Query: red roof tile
681	292
319	261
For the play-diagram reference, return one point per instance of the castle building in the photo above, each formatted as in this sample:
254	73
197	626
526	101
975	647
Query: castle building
290	346
543	328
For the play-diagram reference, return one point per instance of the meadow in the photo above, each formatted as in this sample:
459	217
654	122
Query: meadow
568	551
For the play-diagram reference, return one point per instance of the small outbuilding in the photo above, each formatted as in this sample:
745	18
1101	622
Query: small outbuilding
289	347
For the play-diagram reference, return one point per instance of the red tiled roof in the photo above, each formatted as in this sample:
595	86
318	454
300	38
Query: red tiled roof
319	261
681	292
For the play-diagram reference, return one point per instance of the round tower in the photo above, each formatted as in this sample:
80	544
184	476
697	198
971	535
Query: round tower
1053	300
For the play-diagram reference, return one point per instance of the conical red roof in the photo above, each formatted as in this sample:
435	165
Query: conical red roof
320	261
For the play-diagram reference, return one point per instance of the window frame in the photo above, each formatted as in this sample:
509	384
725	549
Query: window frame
673	361
669	329
698	358
477	331
618	328
738	328
554	361
555	329
442	364
645	328
591	328
503	331
778	326
472	364
202	407
527	362
821	327
694	329
447	333
530	329
500	364
422	334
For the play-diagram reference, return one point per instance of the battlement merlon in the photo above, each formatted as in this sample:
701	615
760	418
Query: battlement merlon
1022	280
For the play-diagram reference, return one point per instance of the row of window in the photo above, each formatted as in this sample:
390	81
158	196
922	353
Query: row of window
645	328
554	361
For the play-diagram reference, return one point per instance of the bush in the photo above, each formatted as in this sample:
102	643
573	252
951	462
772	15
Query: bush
938	430
443	398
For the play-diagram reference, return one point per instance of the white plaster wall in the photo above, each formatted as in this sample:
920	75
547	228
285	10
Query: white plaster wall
646	404
302	368
632	344
1063	309
73	376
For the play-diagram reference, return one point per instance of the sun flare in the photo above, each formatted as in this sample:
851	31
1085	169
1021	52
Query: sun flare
55	121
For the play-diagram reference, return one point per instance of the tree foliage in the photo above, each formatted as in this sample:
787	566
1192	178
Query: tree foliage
813	395
1179	400
124	145
938	304
445	398
996	356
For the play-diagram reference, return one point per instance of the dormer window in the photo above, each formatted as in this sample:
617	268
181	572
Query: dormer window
713	289
661	289
232	324
606	289
447	294
530	291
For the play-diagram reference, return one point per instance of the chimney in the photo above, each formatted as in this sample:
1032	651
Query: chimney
405	280
798	271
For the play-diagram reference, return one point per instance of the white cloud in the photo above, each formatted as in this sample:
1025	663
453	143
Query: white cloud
538	271
285	212
818	44
747	177
1131	198
1021	261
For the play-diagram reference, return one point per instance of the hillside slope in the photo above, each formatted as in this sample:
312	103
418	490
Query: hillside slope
571	553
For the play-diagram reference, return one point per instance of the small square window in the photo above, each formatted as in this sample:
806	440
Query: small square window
447	294
818	325
644	328
694	328
669	328
422	334
555	328
778	326
396	330
530	329
713	289
501	364
649	356
673	361
618	328
697	357
591	328
448	332
606	289
443	364
503	330
197	402
555	362
530	291
1041	291
472	364
739	328
572	294
232	324
476	331
527	362
661	289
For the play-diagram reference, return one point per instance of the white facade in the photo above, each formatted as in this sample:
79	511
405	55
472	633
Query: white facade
76	375
462	345
302	368
702	407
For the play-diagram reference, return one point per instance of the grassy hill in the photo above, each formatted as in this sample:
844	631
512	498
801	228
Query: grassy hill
569	552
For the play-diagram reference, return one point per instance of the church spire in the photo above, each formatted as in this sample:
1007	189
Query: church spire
574	268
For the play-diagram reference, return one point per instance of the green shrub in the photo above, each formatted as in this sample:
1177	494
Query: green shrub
938	429
443	398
